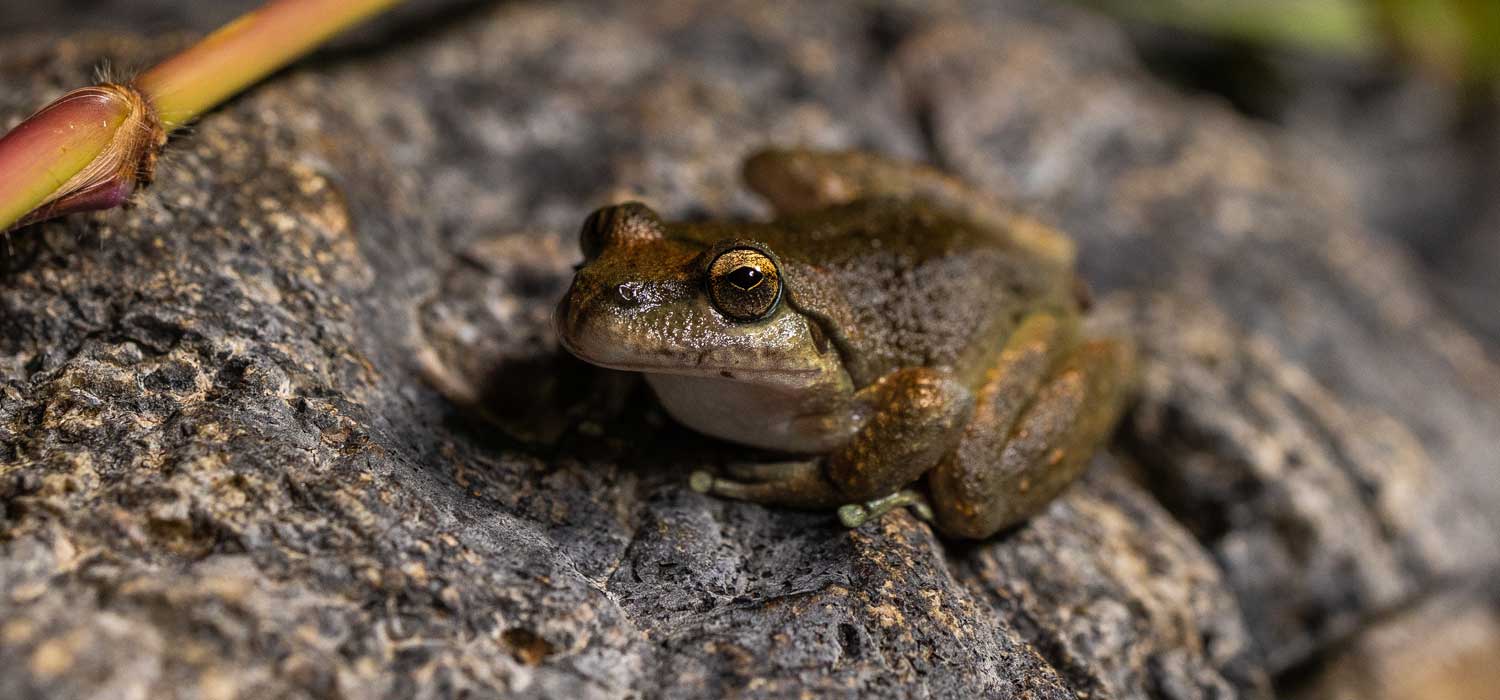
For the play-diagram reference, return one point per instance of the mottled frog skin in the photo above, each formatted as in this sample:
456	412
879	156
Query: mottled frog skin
902	338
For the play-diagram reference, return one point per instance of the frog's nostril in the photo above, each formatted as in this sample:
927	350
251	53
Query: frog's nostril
629	294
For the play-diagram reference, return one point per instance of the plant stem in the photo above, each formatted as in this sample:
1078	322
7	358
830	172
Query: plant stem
90	148
245	51
47	150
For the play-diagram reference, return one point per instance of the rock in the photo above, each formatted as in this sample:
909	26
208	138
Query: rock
222	471
1442	648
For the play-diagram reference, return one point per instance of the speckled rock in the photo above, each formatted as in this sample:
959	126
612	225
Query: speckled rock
228	466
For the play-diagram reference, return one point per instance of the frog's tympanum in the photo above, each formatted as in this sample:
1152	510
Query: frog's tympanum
892	329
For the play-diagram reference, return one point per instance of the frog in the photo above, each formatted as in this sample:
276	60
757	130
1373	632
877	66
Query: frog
893	337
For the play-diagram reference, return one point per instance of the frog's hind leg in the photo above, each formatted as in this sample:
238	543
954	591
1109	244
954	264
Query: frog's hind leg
1017	455
801	180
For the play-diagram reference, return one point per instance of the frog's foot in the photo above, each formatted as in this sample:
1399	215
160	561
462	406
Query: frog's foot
796	484
856	514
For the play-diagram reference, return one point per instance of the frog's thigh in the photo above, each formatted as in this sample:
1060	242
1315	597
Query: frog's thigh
1010	463
800	180
917	416
797	180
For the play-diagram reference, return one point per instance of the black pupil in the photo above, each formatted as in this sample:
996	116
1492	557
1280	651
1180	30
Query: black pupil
745	277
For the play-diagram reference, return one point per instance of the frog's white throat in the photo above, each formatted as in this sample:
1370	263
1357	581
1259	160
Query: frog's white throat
780	417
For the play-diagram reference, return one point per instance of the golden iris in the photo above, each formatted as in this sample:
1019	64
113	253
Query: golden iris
744	284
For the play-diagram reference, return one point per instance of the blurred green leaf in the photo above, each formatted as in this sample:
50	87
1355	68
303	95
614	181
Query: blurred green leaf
1459	39
1341	26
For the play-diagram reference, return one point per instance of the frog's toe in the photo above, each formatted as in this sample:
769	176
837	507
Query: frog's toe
922	510
701	481
853	515
856	514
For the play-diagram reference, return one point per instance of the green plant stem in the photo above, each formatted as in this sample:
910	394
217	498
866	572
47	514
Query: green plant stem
246	50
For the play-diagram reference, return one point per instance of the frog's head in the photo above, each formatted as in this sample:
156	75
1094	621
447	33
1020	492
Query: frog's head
648	301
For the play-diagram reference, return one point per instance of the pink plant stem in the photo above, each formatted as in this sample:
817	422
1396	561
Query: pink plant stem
50	148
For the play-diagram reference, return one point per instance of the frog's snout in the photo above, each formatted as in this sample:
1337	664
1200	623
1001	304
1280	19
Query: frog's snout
563	322
590	322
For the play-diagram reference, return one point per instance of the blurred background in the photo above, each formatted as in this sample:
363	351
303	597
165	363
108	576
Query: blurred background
1397	96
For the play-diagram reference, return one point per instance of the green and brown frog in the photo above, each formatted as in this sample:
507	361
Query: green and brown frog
892	324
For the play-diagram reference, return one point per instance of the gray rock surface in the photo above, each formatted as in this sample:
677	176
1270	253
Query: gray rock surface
222	473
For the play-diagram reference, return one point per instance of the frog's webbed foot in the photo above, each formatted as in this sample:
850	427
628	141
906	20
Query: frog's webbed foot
800	484
856	514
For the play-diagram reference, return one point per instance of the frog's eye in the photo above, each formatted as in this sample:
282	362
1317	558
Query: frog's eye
621	224
744	284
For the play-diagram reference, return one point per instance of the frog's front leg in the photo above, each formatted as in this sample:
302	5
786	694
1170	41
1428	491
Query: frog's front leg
911	418
799	484
1033	431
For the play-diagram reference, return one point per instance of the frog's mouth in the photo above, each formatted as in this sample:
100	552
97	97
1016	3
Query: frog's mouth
700	368
619	356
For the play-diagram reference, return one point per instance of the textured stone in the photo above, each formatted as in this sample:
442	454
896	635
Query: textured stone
222	471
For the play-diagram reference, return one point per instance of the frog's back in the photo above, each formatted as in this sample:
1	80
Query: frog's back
898	283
